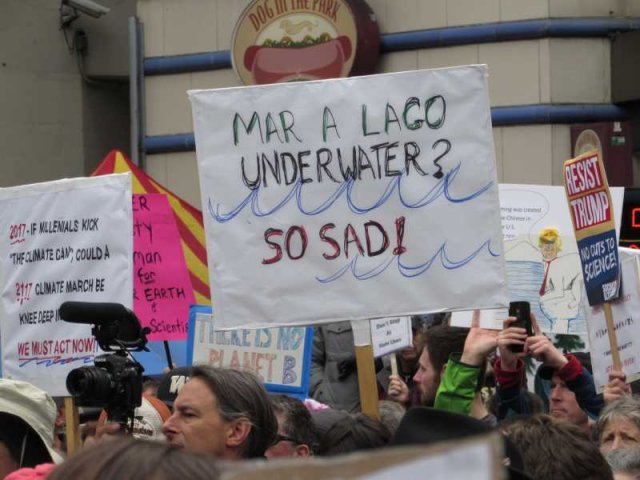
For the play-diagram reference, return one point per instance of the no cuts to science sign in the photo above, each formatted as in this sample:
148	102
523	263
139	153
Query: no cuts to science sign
591	211
350	199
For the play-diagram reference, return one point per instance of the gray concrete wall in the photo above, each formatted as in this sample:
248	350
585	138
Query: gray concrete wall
52	125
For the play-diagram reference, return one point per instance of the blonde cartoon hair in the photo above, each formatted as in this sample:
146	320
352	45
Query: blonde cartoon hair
550	235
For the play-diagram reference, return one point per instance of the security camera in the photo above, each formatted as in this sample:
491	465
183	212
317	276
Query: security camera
87	7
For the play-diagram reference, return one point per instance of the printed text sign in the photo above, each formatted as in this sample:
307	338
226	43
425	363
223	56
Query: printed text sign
625	314
376	193
390	334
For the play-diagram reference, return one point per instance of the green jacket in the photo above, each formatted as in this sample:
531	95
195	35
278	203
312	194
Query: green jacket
457	387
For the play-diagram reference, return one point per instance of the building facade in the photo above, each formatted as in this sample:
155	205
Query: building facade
553	64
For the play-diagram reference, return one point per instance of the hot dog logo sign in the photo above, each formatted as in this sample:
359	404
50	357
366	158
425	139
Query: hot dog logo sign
292	40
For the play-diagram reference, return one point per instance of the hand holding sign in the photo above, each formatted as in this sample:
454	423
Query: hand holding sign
616	388
398	390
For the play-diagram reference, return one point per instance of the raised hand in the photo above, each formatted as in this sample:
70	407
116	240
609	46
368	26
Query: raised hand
479	343
541	348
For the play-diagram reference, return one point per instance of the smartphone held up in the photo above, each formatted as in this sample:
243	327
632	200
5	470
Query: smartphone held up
522	312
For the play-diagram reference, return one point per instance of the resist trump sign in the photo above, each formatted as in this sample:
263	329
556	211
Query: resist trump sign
592	216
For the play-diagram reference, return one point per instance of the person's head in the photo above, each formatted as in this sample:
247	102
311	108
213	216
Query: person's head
556	450
437	344
148	419
131	459
618	425
170	384
356	432
411	353
296	432
150	386
549	242
27	424
224	412
427	426
625	463
563	404
533	401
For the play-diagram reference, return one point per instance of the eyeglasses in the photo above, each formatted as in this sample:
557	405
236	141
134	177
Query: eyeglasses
284	438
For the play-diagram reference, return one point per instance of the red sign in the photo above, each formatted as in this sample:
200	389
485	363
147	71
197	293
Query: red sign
587	192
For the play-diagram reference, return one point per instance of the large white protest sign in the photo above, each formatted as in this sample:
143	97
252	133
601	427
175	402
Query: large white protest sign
349	199
626	313
62	240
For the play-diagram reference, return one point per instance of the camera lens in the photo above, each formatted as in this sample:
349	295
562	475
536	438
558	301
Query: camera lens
90	386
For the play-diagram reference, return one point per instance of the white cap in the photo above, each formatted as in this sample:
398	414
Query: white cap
34	406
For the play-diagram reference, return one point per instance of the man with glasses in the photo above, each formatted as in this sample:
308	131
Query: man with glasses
296	432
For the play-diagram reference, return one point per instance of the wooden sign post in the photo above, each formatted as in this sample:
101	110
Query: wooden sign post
72	427
367	381
613	339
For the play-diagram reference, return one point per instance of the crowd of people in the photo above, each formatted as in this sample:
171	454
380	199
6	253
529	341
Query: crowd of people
452	383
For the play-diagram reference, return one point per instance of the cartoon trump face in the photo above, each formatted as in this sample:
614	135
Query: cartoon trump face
550	243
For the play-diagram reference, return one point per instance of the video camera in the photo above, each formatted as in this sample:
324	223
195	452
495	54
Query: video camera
114	382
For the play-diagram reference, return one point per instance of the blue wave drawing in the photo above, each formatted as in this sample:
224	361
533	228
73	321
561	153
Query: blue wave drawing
442	187
408	271
56	360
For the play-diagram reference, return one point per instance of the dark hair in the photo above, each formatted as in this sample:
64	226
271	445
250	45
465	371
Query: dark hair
297	422
240	395
441	341
534	404
13	433
355	432
556	450
131	459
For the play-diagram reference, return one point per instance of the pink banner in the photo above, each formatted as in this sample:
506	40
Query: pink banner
162	289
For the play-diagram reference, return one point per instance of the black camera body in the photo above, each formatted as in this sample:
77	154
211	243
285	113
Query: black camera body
115	381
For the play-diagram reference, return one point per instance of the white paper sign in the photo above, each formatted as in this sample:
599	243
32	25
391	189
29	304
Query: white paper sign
390	334
472	460
626	318
63	240
275	355
347	199
528	211
489	319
